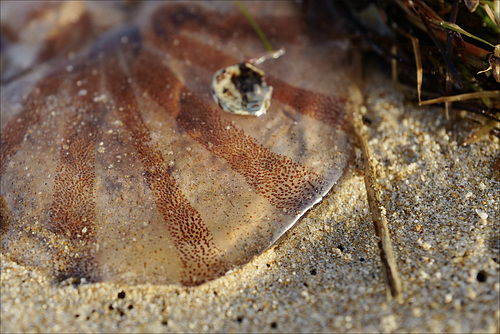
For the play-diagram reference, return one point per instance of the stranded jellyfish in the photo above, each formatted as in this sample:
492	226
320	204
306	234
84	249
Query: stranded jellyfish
118	165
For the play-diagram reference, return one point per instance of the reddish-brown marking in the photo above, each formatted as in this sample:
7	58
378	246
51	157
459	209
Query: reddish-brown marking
327	109
73	209
13	133
169	20
69	38
72	213
287	184
192	239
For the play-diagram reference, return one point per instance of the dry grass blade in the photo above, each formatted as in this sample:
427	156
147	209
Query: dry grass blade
418	64
484	130
491	15
462	97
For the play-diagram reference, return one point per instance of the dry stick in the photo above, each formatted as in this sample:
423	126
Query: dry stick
391	274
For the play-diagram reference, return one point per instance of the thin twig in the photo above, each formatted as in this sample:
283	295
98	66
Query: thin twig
391	274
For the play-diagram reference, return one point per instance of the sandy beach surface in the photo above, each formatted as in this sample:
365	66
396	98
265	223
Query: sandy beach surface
442	201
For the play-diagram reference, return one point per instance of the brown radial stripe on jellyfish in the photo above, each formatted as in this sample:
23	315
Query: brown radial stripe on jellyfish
192	239
73	205
72	214
287	185
327	109
168	21
72	30
51	30
170	26
34	108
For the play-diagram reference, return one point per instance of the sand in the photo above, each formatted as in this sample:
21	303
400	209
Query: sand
442	201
